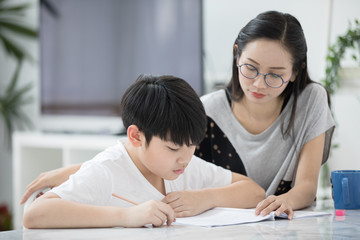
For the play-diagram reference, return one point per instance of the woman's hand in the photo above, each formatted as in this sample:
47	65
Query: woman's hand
49	179
279	204
186	203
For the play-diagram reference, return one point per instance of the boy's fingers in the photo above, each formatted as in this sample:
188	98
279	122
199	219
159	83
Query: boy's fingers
169	213
171	197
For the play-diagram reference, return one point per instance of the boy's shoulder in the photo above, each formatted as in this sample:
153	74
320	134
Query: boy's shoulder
114	153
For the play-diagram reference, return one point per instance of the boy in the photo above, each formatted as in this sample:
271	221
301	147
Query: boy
165	120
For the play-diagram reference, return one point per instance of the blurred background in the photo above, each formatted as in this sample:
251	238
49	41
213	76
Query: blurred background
88	52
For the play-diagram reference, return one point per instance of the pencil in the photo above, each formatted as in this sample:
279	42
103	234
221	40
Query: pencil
125	199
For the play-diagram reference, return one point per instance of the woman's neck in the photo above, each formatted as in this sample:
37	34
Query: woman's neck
261	112
254	117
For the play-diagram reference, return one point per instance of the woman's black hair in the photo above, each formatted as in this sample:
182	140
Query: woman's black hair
286	29
164	106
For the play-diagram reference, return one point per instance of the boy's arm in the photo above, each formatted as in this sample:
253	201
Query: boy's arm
50	211
241	193
49	179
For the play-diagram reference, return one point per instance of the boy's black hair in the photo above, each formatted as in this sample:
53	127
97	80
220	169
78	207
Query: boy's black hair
166	107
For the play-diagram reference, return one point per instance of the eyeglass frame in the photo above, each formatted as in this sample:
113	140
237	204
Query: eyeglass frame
265	75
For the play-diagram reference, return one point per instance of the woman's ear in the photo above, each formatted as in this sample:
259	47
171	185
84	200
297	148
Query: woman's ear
294	76
236	52
134	135
235	48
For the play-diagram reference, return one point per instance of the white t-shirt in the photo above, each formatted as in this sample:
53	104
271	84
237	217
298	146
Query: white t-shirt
113	171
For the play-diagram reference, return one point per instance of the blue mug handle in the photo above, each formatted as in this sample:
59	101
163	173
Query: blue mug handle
345	190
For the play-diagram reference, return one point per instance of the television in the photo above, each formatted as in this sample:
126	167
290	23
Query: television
91	51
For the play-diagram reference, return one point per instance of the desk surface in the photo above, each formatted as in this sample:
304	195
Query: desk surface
326	227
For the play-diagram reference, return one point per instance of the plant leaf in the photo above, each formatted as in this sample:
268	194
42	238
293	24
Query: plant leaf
18	28
12	49
10	105
14	10
14	79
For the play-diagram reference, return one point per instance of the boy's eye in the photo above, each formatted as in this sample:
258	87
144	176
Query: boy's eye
173	149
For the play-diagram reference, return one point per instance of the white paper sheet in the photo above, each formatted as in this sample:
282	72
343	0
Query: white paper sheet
231	216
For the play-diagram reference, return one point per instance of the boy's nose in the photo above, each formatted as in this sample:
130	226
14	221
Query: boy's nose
184	160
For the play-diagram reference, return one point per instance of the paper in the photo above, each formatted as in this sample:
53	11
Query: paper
231	216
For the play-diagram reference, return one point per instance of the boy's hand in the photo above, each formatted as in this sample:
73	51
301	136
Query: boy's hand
279	204
150	212
186	203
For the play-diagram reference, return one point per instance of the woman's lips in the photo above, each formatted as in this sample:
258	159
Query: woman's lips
257	95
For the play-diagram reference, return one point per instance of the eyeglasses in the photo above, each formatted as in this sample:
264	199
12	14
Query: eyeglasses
271	79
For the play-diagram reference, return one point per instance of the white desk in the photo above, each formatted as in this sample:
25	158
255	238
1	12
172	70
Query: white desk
326	227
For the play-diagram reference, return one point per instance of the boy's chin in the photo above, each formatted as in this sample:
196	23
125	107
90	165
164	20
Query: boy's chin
172	177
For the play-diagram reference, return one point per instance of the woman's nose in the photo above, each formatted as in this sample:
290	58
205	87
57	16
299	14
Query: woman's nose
259	81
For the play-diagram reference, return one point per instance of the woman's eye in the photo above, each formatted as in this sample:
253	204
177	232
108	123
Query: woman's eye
250	68
276	75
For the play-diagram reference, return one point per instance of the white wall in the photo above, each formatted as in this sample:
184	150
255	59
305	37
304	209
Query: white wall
223	20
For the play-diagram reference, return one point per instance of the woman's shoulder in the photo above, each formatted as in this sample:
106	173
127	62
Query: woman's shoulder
217	94
315	88
314	92
213	98
313	98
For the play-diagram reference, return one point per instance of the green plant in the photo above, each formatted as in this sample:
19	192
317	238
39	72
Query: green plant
12	25
350	40
11	102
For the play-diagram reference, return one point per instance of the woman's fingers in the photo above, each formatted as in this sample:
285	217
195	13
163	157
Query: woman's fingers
274	203
35	185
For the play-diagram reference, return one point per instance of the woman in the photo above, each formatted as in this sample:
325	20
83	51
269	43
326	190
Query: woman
272	122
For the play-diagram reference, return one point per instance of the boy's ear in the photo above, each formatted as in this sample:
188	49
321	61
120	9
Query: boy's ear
134	135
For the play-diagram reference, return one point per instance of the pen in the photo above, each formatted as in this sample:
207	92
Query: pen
125	199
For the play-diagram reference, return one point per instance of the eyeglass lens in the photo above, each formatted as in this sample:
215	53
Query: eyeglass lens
251	72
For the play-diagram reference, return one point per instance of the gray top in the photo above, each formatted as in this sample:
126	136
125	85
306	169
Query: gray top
268	157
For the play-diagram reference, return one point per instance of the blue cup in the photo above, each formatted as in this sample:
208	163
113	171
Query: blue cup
346	189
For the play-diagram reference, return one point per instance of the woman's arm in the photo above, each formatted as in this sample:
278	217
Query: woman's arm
49	179
50	211
304	191
241	193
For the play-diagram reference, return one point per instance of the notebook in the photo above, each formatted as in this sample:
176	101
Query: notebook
231	216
